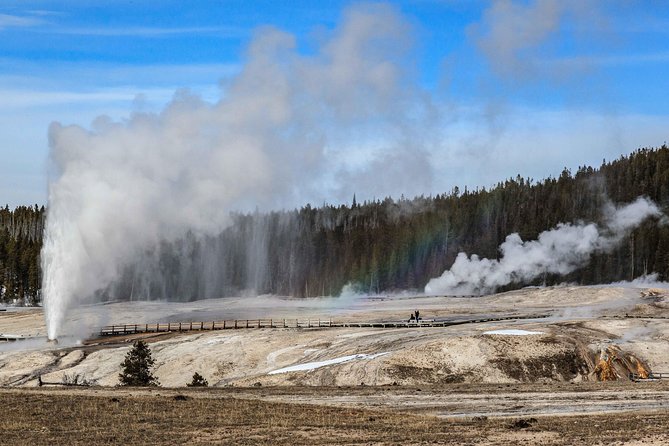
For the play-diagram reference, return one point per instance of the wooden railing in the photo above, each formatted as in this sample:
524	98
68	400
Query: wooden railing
651	376
127	329
112	330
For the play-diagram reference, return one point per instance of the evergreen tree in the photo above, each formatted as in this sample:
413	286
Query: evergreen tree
136	367
198	381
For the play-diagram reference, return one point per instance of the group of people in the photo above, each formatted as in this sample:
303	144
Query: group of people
415	316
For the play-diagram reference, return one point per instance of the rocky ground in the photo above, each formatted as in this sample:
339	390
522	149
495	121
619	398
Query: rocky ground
626	323
526	367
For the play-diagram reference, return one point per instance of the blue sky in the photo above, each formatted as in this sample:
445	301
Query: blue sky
523	87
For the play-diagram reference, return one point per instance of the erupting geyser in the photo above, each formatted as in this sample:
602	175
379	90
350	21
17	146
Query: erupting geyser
280	136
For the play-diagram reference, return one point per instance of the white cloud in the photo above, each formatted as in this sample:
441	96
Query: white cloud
15	99
580	63
144	31
78	76
14	21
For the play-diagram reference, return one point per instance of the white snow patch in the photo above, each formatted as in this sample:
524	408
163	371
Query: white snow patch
222	340
318	364
513	332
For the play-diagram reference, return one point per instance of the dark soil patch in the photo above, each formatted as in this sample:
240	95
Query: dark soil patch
563	366
427	375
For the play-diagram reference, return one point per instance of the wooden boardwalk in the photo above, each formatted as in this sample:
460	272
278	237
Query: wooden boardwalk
236	324
652	376
12	338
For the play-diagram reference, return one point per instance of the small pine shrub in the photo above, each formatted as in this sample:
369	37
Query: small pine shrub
198	381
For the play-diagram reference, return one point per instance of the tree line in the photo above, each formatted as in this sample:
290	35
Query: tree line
379	245
387	245
21	233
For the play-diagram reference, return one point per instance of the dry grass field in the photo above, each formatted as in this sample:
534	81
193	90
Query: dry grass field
189	416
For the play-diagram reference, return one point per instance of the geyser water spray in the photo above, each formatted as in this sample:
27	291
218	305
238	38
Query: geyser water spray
281	135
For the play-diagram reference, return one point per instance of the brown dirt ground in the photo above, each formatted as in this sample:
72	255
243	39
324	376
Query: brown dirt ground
225	416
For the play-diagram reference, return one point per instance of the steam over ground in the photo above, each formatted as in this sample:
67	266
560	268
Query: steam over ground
560	250
277	134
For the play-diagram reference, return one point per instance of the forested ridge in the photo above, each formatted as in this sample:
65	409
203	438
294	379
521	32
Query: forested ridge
391	245
379	245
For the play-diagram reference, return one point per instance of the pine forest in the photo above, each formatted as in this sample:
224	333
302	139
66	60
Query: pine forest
377	246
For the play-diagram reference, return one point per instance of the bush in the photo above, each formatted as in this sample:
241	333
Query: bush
137	367
198	381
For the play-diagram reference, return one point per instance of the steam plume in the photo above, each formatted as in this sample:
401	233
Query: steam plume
560	250
273	140
513	34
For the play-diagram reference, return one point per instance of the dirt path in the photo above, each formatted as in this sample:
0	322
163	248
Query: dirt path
446	404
